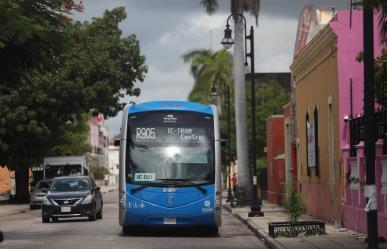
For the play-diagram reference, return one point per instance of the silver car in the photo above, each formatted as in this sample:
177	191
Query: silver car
37	194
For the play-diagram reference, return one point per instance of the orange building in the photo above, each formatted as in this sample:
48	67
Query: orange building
5	181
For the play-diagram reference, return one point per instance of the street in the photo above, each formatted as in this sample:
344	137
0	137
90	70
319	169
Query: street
26	230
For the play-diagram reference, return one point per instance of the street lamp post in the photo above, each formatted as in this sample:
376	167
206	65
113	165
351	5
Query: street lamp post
369	125
214	93
255	206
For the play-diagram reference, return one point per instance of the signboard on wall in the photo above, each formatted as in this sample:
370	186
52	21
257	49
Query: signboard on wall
311	145
304	22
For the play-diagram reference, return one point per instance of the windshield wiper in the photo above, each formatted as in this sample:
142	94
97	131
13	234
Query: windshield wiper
141	187
200	188
135	190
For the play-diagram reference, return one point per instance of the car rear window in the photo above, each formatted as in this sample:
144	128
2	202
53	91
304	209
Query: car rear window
43	184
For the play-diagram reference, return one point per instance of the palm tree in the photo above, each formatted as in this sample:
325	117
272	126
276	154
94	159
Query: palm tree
381	6
238	7
208	69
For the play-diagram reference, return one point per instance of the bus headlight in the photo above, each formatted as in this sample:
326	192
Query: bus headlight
87	199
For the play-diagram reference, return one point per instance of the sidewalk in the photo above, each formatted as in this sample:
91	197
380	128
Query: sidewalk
7	208
334	238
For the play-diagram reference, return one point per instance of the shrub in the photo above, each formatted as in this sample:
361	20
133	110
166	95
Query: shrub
99	172
294	207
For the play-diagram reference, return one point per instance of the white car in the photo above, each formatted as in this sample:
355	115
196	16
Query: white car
38	193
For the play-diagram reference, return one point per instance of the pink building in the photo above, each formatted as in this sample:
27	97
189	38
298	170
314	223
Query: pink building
351	85
326	60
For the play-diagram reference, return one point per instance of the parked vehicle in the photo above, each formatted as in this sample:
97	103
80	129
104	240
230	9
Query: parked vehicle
70	197
65	166
38	193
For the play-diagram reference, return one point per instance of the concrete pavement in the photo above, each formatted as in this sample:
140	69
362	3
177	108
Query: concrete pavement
8	208
339	238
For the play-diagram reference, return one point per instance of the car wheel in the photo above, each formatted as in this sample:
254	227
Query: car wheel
93	215
32	207
55	219
45	219
99	214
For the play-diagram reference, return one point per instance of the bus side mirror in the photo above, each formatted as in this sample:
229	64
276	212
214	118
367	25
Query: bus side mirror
117	142
223	142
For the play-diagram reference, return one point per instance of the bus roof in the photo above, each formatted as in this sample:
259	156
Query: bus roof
170	105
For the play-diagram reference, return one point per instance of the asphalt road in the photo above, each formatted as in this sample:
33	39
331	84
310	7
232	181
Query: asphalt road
26	231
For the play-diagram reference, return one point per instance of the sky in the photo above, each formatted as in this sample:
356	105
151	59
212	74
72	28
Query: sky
166	29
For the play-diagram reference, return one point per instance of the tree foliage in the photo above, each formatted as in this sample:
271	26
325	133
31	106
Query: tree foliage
99	172
213	69
102	66
270	96
52	71
208	69
381	7
270	99
381	79
31	34
72	138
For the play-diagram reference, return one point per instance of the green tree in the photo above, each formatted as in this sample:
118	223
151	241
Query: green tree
99	172
213	69
381	6
270	99
239	7
72	139
31	36
208	69
85	67
102	66
381	79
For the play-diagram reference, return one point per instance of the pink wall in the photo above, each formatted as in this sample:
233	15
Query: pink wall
349	44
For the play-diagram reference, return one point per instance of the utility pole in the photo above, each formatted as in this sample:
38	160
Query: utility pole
369	125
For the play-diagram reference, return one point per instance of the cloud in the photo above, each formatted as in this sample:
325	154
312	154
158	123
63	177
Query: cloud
193	29
168	28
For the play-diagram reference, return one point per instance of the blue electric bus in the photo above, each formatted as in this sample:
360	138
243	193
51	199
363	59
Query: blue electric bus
170	170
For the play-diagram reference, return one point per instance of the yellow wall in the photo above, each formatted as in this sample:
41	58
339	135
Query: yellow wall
315	73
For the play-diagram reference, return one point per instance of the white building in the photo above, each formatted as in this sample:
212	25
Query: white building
98	140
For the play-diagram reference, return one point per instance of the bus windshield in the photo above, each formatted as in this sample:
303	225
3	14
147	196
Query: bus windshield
170	148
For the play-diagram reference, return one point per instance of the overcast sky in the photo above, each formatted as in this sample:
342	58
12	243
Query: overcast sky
168	28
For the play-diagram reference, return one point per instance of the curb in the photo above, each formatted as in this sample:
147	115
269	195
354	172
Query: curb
263	236
108	190
13	212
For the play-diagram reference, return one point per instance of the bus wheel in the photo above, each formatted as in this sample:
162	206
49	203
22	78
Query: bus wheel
127	230
212	231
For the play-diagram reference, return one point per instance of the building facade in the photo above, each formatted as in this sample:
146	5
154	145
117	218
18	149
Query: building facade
319	175
98	140
351	86
275	159
331	166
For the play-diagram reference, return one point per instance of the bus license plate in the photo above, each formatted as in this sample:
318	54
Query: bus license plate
65	209
169	220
